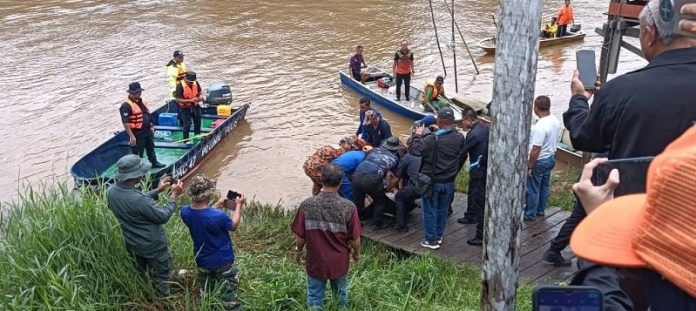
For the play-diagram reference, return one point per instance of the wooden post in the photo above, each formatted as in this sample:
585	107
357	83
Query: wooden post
516	54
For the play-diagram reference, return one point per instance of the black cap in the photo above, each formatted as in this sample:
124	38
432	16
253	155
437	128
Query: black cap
440	79
178	53
190	76
445	113
134	88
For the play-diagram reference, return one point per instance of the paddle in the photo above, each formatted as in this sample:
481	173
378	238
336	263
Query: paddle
192	137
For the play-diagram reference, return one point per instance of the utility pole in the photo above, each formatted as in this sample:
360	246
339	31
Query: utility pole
516	55
454	52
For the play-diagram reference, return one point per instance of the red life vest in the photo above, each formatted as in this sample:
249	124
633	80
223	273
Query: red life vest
189	93
135	119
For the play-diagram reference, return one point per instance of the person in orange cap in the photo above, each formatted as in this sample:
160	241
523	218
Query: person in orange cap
652	231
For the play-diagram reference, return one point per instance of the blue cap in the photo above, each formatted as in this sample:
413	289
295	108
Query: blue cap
428	120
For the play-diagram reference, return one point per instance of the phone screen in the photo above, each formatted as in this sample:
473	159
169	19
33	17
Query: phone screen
632	174
670	13
567	298
586	66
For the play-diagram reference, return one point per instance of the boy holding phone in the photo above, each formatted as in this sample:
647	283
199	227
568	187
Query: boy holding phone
209	227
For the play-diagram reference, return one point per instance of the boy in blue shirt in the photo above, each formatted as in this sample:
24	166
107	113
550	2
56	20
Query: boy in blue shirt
209	227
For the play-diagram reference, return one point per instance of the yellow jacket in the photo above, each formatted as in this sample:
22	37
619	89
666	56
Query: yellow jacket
175	73
551	30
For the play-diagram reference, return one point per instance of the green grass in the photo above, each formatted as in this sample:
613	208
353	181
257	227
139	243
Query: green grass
60	250
561	186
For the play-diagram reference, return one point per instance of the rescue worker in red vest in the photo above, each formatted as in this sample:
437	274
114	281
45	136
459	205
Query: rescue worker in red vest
175	71
188	96
432	90
137	122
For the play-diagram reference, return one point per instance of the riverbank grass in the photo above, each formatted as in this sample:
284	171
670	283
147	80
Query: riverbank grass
63	250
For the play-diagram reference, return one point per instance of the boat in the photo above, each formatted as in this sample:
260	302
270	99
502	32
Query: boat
180	157
377	90
488	44
565	153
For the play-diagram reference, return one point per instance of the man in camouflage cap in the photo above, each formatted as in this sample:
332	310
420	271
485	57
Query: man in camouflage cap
209	227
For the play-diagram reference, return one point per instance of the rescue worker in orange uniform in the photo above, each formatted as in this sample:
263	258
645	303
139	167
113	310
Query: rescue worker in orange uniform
431	92
565	18
188	96
137	122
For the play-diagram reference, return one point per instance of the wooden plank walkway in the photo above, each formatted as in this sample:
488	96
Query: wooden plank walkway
535	238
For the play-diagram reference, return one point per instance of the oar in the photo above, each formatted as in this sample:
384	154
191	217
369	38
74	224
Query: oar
192	137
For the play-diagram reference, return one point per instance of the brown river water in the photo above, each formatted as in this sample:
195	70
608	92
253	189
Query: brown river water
66	66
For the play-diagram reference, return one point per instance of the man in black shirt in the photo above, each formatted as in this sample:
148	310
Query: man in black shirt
406	171
137	122
188	95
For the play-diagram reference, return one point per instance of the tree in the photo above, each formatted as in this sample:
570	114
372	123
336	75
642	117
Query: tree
513	93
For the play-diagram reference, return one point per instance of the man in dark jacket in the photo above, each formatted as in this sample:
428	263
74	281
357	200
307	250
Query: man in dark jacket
142	219
638	114
442	155
477	149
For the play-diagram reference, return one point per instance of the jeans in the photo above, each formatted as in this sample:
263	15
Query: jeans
435	210
538	187
406	79
316	287
346	188
369	184
188	114
405	203
562	30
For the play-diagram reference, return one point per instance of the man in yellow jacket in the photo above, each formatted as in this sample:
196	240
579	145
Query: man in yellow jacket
175	70
550	29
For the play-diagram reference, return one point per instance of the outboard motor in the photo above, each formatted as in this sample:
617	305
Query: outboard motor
218	93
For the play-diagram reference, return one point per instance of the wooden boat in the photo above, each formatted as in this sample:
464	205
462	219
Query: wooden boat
565	153
412	109
488	44
180	158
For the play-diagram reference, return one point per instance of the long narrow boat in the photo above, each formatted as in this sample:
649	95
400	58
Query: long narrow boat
181	158
565	152
412	109
488	44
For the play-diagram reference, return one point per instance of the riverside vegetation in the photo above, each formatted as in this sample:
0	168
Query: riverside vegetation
62	250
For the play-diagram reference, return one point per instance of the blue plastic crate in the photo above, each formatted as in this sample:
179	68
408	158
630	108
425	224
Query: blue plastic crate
167	119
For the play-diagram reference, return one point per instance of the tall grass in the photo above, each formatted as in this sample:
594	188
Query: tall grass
62	250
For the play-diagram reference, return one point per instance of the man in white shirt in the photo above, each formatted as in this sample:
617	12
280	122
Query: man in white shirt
542	158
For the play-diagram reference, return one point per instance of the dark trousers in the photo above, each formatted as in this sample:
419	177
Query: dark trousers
225	279
158	269
563	238
145	144
188	114
405	203
369	184
476	200
406	79
562	30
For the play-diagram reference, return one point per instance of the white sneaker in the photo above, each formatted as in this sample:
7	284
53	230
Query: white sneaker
430	245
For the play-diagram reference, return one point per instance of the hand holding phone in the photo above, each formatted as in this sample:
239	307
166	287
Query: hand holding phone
632	171
231	202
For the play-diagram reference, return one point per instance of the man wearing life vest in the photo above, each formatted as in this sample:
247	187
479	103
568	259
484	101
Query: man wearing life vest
551	29
188	96
565	18
175	71
431	92
403	70
137	122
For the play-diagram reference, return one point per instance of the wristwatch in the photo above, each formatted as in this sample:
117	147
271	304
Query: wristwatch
295	249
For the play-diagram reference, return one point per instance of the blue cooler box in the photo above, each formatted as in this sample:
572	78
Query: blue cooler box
167	119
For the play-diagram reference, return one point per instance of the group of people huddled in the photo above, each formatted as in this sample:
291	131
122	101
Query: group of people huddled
558	27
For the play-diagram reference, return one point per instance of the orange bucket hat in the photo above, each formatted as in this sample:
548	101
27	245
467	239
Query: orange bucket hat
655	229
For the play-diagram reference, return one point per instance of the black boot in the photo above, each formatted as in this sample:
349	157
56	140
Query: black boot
556	259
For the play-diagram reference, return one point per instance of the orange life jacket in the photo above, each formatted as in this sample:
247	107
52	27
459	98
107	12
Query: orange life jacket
436	90
565	15
189	93
135	119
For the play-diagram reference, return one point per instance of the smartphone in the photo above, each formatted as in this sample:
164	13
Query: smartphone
632	174
232	196
587	67
670	13
562	298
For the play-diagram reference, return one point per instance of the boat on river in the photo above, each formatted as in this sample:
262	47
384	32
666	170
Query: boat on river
488	44
376	88
180	157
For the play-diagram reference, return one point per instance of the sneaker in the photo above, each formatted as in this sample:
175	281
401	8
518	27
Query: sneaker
475	241
403	228
556	259
157	165
541	215
430	245
379	226
439	241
